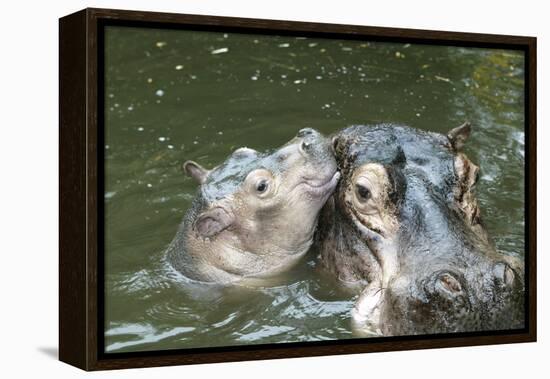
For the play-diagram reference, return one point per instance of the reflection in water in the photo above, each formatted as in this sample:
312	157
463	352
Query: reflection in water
145	334
176	95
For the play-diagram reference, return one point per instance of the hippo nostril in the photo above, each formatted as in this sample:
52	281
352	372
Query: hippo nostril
445	284
449	282
504	273
305	132
306	146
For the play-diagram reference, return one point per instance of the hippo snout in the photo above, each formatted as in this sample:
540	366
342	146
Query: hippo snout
454	285
312	144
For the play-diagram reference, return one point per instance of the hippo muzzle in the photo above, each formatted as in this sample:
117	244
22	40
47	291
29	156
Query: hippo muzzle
443	301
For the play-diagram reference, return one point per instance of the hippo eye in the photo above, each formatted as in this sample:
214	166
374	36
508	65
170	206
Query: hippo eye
363	193
261	186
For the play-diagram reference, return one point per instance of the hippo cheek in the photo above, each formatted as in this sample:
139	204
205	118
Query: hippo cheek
372	236
213	221
378	244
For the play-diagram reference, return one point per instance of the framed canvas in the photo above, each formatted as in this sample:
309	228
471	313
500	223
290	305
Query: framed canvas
240	189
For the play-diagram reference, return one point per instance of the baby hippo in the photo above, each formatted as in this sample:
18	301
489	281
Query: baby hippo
255	214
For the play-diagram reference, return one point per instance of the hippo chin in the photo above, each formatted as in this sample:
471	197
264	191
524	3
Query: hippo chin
404	225
255	214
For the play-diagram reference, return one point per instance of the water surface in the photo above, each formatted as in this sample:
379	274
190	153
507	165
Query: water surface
177	95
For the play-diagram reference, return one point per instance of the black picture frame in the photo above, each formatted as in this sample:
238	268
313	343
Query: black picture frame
81	286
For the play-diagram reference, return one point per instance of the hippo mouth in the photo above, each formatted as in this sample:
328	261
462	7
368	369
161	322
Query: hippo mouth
322	187
366	312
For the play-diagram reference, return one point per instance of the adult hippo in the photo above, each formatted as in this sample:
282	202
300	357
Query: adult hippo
255	214
404	225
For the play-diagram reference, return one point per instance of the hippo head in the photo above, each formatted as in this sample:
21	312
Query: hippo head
256	213
404	223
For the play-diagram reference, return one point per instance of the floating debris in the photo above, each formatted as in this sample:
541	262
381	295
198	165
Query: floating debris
141	129
225	35
162	139
220	133
318	77
418	115
443	79
254	77
170	146
399	54
300	81
312	44
161	44
149	185
149	80
347	49
179	67
220	51
159	92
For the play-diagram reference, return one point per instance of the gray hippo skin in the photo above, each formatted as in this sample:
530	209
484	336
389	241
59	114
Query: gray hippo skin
254	215
404	225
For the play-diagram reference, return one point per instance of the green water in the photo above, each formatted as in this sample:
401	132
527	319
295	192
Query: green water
177	95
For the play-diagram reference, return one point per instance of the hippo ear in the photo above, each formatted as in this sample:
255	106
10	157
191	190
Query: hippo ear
458	136
195	171
212	222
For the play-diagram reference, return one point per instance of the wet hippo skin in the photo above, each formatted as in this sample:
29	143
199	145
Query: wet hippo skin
404	227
